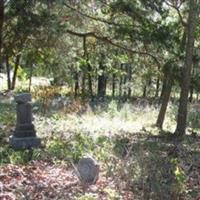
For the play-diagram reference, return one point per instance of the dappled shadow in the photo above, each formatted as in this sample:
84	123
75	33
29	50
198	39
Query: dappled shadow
159	168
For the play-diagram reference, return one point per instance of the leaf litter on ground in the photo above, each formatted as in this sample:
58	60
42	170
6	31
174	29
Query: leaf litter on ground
41	180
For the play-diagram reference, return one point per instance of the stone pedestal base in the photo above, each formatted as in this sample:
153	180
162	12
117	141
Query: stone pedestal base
24	143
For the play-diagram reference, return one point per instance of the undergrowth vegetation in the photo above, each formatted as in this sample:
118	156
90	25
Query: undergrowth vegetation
121	136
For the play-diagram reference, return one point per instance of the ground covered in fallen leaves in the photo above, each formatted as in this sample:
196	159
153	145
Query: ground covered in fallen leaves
40	180
151	168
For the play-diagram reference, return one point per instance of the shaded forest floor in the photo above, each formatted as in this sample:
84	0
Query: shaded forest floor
137	160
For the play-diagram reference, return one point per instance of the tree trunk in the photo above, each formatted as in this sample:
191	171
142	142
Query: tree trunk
89	68
164	85
185	84
89	79
84	70
8	72
144	91
15	71
149	87
30	78
102	80
157	87
113	84
76	87
83	84
165	100
125	82
120	80
129	80
1	29
120	86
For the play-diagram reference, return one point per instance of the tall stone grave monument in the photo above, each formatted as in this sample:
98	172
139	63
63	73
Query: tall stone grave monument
24	135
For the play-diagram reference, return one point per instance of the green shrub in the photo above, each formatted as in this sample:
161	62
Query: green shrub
7	113
72	149
4	154
81	144
20	157
57	148
103	149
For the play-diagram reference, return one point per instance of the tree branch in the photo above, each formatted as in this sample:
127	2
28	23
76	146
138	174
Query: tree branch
94	18
176	7
109	41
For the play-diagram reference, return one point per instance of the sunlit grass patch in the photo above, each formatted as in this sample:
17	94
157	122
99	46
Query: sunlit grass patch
114	119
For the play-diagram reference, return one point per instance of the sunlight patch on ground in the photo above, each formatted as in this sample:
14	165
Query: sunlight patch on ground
99	124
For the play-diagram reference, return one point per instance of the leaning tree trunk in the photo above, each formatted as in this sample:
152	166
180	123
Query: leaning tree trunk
165	100
164	85
185	84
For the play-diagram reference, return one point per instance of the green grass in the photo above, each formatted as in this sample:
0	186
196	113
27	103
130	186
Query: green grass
121	137
7	113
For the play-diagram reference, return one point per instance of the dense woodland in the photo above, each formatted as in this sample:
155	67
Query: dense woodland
110	54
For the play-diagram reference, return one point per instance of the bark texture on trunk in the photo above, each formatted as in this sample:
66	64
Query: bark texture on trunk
185	83
165	100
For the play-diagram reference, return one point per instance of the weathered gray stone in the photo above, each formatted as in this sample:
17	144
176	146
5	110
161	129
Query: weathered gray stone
24	135
88	170
23	98
24	142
